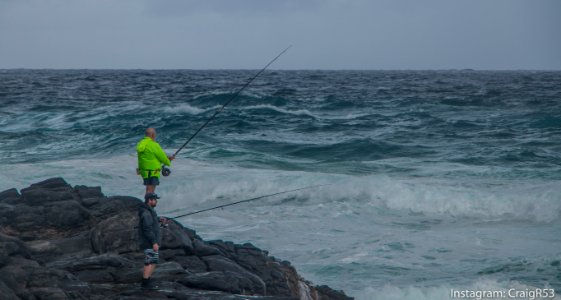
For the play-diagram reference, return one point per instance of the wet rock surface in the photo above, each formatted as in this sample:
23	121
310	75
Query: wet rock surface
64	242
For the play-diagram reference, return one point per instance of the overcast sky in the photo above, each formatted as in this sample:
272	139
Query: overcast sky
242	34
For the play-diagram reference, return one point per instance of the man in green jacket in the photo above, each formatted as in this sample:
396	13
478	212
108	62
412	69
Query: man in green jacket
150	160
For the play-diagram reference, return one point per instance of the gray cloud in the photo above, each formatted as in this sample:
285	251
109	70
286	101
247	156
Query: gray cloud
326	34
229	7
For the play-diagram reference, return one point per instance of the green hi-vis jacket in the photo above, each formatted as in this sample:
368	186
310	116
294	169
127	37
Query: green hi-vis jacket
150	158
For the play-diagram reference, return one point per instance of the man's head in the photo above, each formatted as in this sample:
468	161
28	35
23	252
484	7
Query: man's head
150	132
151	199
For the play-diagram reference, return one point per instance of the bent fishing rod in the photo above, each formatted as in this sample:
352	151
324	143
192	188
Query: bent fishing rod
167	171
245	201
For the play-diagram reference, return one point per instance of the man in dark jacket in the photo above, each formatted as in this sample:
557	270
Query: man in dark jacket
149	237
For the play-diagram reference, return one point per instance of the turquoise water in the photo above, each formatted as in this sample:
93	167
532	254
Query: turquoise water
439	180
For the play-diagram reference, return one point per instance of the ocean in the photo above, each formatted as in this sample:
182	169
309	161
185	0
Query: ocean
435	181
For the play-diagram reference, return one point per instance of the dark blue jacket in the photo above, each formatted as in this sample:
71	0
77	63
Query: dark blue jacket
148	227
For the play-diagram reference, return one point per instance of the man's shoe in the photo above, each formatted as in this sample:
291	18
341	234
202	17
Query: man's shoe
147	284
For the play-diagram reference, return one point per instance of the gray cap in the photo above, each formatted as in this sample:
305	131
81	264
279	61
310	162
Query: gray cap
149	196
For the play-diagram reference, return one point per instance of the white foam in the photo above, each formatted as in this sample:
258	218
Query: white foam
191	183
197	185
192	110
59	120
298	112
32	121
498	200
305	112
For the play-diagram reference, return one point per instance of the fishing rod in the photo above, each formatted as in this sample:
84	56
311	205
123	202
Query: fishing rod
167	171
165	220
244	201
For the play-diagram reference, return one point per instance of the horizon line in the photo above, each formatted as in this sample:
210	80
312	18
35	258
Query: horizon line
252	69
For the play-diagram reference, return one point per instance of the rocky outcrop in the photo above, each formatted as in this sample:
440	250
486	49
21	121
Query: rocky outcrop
63	242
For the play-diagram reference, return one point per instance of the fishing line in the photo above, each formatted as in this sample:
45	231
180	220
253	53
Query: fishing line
245	201
165	170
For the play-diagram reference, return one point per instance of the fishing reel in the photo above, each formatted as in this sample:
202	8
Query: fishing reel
164	222
166	171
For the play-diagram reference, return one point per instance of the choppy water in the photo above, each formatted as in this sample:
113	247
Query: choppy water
440	179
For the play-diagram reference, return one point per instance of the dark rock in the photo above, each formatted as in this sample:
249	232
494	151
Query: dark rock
200	248
279	279
118	233
89	202
59	242
174	237
24	221
192	264
227	248
105	275
250	246
11	196
7	293
50	190
327	293
49	293
96	269
85	192
286	263
134	256
92	262
4	260
11	247
220	263
53	220
76	289
89	196
190	232
137	294
126	203
10	193
51	183
129	276
15	274
169	271
168	254
48	278
252	260
6	213
49	250
176	290
111	206
66	214
291	283
39	196
220	281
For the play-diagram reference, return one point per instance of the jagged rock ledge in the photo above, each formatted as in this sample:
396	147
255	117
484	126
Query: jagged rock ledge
60	242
